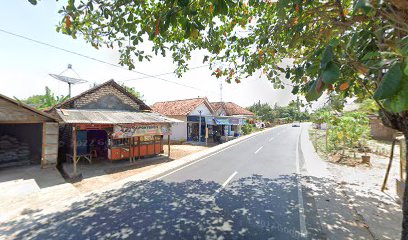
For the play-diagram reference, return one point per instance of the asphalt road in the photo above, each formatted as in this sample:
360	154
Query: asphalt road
249	190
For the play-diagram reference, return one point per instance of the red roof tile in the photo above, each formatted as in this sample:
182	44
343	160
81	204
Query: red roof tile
180	107
231	108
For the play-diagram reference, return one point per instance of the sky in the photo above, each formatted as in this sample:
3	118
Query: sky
25	65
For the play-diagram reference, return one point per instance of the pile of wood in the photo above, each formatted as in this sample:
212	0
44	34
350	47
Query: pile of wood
13	152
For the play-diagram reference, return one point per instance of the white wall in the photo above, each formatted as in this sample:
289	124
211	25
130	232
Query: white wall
179	130
204	111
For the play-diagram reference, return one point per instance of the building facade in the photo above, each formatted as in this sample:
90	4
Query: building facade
110	123
204	121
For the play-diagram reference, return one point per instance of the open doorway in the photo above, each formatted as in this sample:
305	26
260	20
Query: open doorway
98	143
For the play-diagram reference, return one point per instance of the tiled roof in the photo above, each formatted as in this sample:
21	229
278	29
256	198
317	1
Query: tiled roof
111	117
231	108
180	107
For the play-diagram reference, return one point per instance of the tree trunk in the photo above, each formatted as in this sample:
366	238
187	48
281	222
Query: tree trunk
399	121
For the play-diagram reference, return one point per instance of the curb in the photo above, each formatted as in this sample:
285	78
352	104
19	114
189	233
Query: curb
165	168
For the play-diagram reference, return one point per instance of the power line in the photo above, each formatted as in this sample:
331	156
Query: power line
161	74
95	59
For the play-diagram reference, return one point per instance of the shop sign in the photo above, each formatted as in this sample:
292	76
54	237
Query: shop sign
196	119
234	121
222	121
144	130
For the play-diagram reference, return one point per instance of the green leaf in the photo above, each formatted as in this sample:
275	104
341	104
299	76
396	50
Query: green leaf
312	94
399	102
331	74
390	83
364	5
406	69
33	2
326	57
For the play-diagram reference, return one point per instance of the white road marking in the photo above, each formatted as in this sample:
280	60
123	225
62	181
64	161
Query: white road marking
225	183
259	149
199	160
270	140
302	216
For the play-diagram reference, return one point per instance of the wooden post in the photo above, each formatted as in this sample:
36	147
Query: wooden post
44	145
389	166
130	153
154	145
138	146
168	145
74	155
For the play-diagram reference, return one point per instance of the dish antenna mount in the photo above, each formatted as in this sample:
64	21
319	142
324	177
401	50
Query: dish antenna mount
69	80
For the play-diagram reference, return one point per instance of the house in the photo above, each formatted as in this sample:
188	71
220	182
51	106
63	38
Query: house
235	114
27	136
108	122
190	112
224	118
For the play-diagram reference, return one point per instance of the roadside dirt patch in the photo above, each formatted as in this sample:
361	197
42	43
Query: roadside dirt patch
112	174
179	151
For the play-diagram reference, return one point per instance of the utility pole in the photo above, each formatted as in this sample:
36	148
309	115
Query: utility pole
199	127
221	91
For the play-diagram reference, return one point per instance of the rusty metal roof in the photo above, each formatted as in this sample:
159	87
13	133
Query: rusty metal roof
111	117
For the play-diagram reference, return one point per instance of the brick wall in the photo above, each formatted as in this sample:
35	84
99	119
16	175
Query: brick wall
108	90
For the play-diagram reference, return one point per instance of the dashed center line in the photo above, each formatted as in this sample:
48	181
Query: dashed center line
259	149
270	140
226	183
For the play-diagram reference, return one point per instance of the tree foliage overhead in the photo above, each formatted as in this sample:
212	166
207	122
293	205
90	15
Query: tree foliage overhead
352	47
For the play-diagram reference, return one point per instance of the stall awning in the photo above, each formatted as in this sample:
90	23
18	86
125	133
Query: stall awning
111	117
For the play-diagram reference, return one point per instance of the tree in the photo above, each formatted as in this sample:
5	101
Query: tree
352	47
45	101
133	91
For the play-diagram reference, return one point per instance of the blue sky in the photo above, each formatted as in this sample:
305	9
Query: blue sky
24	65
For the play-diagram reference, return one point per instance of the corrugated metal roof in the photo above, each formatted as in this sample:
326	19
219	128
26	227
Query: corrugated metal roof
111	117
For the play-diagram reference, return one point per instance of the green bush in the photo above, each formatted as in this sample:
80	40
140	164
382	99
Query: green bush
349	131
247	128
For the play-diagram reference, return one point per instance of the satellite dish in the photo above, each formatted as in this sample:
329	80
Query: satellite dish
69	80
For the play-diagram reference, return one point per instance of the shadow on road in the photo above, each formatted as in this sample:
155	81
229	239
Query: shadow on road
250	208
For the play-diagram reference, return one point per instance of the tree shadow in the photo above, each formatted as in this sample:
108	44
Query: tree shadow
253	207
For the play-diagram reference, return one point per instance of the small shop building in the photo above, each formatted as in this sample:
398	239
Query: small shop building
190	112
230	116
108	122
203	121
27	136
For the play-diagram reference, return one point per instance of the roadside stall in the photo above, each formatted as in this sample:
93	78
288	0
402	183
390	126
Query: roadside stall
108	122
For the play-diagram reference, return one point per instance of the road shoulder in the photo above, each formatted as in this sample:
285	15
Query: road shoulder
345	211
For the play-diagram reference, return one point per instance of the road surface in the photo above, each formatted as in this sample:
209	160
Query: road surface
249	190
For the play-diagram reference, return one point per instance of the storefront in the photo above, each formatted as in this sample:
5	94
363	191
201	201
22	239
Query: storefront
116	142
228	127
194	131
109	123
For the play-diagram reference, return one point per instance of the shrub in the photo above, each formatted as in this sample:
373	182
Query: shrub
247	128
349	131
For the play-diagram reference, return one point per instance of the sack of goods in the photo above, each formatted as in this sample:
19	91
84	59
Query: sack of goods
13	152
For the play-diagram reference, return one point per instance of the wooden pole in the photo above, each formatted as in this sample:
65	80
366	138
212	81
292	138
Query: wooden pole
389	166
168	145
74	155
154	145
130	153
138	146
